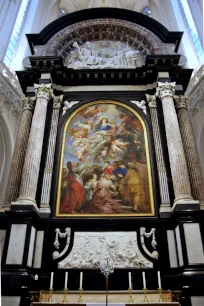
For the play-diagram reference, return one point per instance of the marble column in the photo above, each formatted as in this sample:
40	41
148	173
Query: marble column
179	170
47	179
31	166
194	168
162	173
19	151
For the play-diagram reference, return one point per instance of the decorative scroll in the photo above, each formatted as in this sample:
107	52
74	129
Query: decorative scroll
143	234
66	234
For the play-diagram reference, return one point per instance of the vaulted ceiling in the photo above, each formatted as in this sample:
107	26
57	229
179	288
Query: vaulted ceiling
75	5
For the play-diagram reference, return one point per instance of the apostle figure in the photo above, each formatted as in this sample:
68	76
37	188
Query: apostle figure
73	190
131	188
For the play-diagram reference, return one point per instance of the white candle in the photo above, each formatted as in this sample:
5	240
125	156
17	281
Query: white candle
130	281
159	279
144	280
81	279
51	279
66	280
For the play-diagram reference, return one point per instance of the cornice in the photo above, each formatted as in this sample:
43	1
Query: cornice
96	13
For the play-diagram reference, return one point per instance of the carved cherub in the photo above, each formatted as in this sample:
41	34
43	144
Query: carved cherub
68	105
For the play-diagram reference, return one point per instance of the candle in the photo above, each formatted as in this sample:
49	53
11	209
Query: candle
144	280
159	279
66	280
130	281
81	278
51	280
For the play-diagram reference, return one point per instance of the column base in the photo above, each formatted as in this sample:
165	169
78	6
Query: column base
6	208
165	210
183	205
24	205
45	210
202	206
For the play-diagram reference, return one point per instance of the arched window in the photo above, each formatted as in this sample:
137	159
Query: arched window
192	30
146	11
62	12
16	32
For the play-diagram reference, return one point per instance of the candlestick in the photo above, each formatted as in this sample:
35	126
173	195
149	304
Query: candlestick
144	280
66	280
159	279
81	279
51	279
130	280
130	299
145	295
80	295
161	299
65	295
50	295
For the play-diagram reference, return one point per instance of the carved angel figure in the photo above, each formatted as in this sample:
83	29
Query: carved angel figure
68	105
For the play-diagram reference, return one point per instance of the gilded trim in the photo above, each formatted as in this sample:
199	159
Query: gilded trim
147	156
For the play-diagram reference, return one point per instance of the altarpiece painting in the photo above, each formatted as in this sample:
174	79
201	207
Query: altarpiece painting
105	165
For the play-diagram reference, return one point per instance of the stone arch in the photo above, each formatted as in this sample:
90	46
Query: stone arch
135	35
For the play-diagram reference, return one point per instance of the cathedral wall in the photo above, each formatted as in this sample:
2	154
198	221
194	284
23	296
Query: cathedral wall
8	14
105	169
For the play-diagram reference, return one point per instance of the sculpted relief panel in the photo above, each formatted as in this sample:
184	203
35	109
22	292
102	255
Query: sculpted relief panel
105	165
91	248
103	55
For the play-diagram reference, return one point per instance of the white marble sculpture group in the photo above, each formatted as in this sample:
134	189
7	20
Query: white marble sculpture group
103	55
90	248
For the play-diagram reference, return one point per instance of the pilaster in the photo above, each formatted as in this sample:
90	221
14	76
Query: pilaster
47	179
165	207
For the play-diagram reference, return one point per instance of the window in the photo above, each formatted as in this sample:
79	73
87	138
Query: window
192	30
16	32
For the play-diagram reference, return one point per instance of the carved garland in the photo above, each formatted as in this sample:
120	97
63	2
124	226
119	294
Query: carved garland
67	234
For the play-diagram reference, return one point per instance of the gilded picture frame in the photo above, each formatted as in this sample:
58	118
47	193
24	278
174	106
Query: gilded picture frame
105	168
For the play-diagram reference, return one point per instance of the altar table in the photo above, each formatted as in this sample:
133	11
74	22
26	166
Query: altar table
98	298
111	304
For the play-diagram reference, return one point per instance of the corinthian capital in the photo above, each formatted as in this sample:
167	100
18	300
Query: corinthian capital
165	89
57	100
180	101
28	103
43	91
151	100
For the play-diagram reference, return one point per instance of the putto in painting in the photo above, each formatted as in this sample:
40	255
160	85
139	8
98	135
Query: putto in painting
105	167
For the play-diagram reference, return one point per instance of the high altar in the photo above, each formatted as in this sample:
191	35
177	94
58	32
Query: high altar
105	168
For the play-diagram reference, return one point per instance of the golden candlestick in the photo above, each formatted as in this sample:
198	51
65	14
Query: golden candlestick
130	299
50	295
65	295
145	295
80	294
161	299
